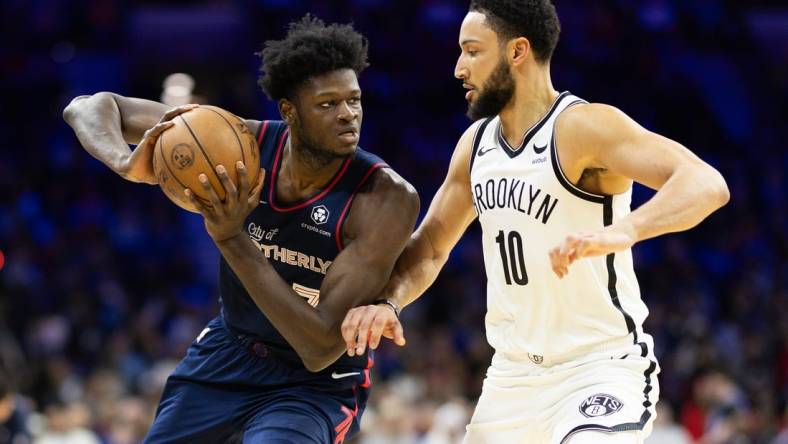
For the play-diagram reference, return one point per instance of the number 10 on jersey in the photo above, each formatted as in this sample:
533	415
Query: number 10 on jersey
513	261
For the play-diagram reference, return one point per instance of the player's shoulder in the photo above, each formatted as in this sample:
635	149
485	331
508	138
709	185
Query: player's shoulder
591	118
386	183
379	177
465	143
463	152
594	124
263	129
386	199
472	130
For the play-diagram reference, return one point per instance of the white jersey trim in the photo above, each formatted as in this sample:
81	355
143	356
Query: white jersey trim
531	132
477	138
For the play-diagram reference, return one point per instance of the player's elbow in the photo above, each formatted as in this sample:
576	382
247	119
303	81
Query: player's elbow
317	360
412	202
80	104
717	189
321	351
723	193
314	365
71	111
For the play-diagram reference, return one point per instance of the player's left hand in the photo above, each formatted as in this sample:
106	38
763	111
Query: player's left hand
611	239
225	220
367	324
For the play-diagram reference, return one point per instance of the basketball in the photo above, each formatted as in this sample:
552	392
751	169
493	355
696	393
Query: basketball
199	140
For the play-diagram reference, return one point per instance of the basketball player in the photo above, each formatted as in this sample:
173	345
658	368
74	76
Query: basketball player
318	235
549	177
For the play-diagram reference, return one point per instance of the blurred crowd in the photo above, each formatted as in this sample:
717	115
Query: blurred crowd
104	283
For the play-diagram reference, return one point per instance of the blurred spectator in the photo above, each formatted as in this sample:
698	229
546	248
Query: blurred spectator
666	430
14	408
103	283
67	424
13	415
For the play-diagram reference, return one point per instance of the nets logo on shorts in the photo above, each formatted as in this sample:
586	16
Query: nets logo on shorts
320	214
600	404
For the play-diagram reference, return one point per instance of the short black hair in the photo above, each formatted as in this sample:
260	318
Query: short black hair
535	20
310	48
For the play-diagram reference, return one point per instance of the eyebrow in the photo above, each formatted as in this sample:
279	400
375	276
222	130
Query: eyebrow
466	41
334	92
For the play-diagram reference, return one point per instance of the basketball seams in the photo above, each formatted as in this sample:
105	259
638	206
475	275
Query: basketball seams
204	153
238	138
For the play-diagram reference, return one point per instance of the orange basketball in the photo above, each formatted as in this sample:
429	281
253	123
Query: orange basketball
199	140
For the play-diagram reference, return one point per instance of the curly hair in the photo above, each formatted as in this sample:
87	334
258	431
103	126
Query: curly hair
310	48
535	20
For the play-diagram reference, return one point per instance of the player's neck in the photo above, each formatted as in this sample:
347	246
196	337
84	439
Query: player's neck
306	168
533	96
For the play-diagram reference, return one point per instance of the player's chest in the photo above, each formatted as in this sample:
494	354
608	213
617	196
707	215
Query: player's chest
313	227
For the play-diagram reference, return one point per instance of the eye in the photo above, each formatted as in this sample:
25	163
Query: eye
354	101
327	105
472	52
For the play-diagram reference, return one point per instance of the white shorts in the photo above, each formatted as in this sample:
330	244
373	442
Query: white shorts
611	391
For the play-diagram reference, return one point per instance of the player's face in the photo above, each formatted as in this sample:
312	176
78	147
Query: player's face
329	113
484	71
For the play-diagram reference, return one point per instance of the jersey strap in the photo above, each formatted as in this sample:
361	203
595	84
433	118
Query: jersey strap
477	138
365	164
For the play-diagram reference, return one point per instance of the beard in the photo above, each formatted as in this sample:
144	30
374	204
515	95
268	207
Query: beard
309	150
495	94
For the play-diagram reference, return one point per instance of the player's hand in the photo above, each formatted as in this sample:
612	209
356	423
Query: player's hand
139	165
365	325
611	239
225	220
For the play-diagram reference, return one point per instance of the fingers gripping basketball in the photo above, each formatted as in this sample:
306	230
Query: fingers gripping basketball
195	144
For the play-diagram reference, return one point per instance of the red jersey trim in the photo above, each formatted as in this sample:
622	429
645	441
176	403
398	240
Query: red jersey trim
343	427
314	198
263	127
338	232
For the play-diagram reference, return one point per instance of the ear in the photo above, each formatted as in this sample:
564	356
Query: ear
519	50
287	111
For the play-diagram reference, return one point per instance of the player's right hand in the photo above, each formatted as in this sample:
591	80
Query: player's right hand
139	165
365	325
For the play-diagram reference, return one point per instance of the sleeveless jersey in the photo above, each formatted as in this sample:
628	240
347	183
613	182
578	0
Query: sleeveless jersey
526	207
299	239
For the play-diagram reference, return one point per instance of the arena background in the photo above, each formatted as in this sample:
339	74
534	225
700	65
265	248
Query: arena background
104	283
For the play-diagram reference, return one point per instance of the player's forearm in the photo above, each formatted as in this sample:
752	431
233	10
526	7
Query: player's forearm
691	194
96	122
417	268
315	338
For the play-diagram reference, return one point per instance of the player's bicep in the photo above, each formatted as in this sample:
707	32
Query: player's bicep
137	116
647	158
615	142
254	126
382	223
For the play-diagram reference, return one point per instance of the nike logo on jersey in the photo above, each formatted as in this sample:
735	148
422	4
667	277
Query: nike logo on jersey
539	150
336	375
483	151
202	334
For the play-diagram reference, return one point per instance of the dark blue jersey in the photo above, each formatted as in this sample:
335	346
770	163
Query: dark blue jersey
300	239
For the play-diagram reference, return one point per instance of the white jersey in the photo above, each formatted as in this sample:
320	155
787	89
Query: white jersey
526	207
